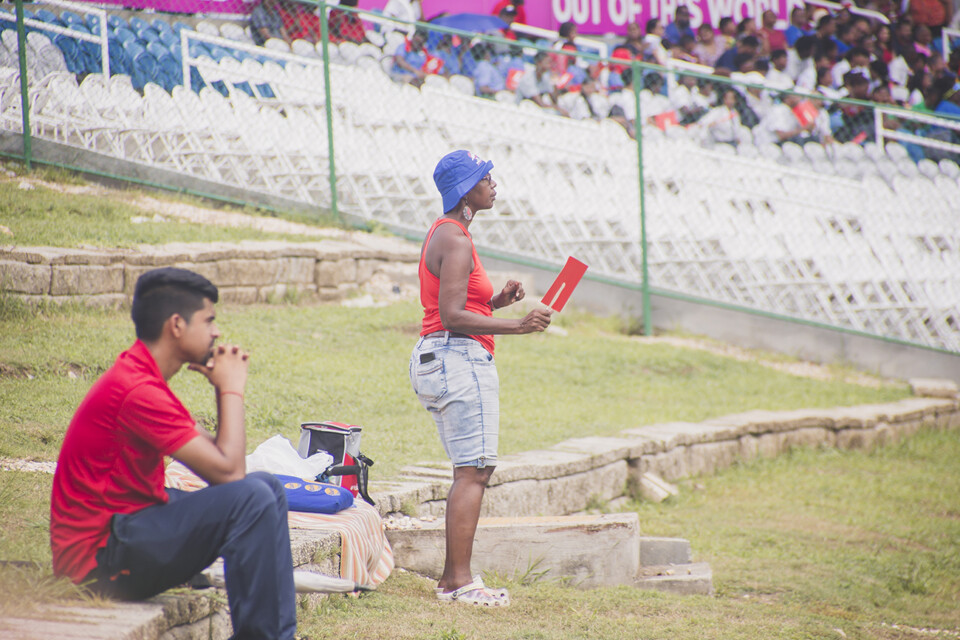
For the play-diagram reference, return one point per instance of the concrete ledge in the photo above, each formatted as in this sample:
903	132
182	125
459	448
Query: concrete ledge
246	271
572	474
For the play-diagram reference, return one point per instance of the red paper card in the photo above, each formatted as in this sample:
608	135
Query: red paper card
562	288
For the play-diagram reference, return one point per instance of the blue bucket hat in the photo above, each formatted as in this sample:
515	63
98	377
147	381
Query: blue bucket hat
457	173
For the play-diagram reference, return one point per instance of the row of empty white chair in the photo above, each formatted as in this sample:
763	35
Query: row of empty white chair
872	254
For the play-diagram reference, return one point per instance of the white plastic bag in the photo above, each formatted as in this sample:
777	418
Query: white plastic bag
277	455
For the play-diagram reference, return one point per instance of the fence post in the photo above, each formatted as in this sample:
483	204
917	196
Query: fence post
325	40
638	132
24	91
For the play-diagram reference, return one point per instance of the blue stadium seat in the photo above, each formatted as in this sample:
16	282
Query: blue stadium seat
145	66
119	60
161	26
170	39
171	71
71	52
136	24
93	22
49	16
125	36
148	35
180	26
116	22
70	16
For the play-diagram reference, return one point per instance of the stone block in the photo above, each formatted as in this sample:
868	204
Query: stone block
601	450
687	580
556	496
333	273
247	273
336	294
857	438
933	387
296	270
811	437
749	447
654	488
86	279
238	295
708	457
670	465
656	551
397	496
589	550
22	277
366	267
540	464
770	445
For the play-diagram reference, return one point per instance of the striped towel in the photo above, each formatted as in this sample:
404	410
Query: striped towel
365	554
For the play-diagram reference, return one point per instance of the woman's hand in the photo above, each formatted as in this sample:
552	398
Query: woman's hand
535	321
512	292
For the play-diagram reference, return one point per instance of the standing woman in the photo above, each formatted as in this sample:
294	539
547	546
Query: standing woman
452	368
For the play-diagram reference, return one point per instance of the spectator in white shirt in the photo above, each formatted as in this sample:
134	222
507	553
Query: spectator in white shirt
777	77
722	123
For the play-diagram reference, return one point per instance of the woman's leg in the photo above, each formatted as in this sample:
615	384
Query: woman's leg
463	512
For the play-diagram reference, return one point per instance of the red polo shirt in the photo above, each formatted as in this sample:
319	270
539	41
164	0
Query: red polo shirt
112	458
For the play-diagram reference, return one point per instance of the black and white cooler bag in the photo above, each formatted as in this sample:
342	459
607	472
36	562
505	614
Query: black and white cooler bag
342	441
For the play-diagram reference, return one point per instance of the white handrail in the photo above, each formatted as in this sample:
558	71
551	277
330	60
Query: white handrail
893	134
946	33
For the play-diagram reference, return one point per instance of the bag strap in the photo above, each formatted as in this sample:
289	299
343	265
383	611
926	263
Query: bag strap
360	470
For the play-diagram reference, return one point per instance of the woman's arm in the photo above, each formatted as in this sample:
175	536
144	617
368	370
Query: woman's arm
451	251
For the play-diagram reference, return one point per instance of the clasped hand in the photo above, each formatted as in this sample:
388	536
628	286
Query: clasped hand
226	369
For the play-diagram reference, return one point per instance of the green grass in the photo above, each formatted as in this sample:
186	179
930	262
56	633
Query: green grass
334	363
800	546
46	217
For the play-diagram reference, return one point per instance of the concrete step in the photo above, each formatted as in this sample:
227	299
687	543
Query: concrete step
586	550
683	579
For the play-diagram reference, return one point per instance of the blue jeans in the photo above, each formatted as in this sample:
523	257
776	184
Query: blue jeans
165	545
456	381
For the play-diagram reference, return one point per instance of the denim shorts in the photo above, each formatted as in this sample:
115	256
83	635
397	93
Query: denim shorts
460	388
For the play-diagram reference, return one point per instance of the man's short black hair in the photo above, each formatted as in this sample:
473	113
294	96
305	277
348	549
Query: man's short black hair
566	29
778	53
652	24
750	41
805	46
627	76
160	293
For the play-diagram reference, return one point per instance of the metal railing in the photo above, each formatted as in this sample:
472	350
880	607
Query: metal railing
671	195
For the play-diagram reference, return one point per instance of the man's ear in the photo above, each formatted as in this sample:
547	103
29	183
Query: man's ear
176	325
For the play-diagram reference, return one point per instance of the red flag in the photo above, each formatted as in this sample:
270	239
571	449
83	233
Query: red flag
562	288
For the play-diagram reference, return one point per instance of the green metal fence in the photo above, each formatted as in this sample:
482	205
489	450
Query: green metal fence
683	184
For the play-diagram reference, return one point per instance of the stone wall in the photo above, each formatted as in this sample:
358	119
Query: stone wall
571	475
245	272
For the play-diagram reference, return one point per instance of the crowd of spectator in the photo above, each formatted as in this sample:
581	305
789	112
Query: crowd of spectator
820	55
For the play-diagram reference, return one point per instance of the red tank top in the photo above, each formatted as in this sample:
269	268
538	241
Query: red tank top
479	290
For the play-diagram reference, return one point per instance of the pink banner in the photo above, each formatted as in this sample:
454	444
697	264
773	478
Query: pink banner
612	16
591	16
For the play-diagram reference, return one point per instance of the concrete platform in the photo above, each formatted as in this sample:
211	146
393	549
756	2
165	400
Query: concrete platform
585	550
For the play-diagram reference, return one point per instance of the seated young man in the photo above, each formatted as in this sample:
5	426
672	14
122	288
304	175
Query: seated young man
112	523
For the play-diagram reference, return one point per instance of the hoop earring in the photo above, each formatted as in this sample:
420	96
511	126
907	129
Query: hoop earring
467	214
